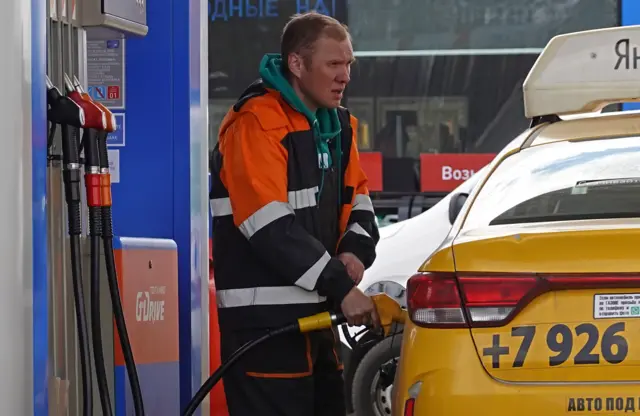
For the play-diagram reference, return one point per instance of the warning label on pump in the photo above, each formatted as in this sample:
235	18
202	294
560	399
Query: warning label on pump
617	305
105	72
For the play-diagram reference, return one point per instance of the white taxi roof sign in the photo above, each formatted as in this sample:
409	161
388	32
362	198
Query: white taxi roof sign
583	72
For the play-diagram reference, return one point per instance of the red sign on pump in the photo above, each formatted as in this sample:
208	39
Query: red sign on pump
113	92
444	172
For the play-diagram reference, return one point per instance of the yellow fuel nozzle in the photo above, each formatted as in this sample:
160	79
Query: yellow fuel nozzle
323	320
389	311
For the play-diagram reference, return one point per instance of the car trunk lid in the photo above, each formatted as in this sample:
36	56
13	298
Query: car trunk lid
553	302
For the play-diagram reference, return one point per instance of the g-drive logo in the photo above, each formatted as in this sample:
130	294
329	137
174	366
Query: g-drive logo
148	310
140	3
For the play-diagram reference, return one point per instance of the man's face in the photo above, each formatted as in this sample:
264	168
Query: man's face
325	75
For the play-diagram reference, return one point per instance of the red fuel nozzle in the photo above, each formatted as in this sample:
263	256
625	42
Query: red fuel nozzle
105	176
111	120
96	120
94	116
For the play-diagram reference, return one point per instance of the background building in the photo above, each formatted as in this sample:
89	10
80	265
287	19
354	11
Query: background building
437	84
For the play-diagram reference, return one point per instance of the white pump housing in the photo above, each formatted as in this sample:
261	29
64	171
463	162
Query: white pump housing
126	16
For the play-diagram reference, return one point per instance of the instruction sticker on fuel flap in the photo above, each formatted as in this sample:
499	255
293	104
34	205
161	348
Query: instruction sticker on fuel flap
616	305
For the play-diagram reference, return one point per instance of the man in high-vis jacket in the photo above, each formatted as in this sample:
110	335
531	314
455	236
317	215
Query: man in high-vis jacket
294	227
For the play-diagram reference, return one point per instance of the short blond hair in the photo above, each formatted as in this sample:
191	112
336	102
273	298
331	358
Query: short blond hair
303	30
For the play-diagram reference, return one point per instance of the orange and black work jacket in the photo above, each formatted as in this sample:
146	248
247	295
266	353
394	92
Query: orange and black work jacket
275	238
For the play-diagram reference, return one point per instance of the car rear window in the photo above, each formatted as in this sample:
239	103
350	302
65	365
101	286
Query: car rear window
570	180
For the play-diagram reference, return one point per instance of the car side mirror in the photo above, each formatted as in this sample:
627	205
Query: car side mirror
455	205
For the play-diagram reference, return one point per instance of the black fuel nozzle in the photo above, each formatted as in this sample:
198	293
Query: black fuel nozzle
62	110
71	117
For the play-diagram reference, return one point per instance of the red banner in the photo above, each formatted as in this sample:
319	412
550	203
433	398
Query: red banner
371	163
444	172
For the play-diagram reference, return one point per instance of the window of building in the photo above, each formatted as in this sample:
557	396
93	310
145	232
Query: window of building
383	27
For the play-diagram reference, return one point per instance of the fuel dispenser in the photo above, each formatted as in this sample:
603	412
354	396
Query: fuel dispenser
78	133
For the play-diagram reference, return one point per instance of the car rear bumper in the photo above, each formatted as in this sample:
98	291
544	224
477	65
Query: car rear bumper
452	381
440	395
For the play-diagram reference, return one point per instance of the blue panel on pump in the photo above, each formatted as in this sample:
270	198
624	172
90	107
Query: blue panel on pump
162	180
143	196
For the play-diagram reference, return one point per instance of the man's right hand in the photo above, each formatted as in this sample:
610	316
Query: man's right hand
359	309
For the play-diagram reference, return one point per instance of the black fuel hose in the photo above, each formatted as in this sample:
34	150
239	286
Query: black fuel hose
217	375
71	179
320	321
96	328
112	276
92	184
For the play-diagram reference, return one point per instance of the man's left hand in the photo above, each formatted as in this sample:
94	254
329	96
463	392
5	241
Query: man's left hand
354	266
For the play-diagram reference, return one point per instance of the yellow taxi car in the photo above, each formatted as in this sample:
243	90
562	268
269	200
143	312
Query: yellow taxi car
531	306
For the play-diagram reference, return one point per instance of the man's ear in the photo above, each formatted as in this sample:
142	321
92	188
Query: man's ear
295	64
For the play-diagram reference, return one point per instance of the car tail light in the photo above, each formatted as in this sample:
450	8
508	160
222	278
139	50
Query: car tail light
446	300
434	299
492	299
409	406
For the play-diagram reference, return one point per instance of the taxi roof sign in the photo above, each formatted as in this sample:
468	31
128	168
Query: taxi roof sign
583	72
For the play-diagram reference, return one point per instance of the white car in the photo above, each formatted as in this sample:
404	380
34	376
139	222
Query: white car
403	247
